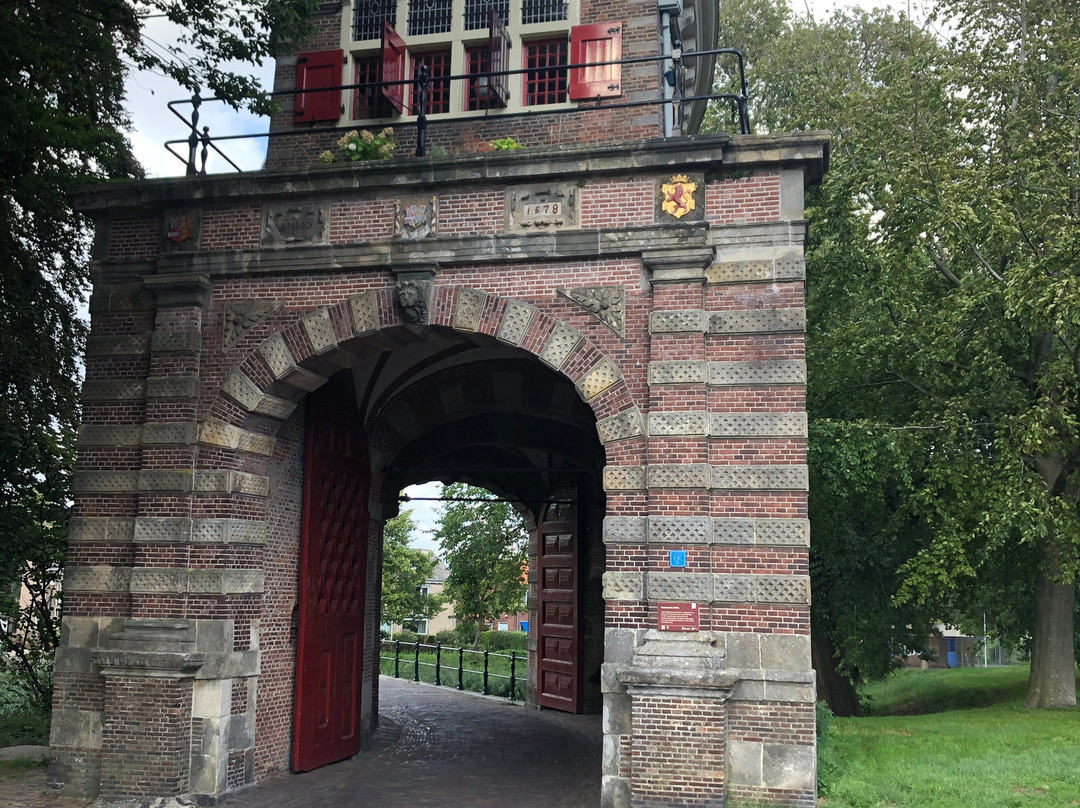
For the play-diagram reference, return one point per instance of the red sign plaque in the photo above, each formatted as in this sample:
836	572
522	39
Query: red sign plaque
677	616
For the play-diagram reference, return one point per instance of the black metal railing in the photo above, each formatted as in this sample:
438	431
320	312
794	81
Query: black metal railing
486	672
199	142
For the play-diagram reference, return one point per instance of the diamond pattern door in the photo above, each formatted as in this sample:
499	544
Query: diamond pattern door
558	640
333	560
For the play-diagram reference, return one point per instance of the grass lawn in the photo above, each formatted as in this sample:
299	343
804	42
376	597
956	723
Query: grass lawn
953	739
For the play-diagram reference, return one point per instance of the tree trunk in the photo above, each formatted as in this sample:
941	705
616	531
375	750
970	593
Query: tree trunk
1053	680
833	687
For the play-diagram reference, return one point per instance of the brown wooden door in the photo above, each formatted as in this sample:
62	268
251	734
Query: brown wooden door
559	653
333	557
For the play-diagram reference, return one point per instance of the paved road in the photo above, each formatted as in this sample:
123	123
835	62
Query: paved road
435	748
438	748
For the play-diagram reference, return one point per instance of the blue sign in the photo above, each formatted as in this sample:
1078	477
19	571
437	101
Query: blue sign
676	558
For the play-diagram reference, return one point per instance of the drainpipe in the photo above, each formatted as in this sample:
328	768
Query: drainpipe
669	13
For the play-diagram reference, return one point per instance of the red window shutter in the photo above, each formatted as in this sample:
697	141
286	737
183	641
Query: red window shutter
598	42
313	72
498	59
393	67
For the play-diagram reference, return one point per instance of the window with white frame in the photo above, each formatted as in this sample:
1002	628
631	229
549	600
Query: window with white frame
386	42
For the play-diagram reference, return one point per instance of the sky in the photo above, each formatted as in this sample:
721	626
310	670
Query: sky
153	124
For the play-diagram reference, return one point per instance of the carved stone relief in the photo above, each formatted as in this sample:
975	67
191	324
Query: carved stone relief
298	223
605	303
416	217
241	316
182	229
412	298
550	207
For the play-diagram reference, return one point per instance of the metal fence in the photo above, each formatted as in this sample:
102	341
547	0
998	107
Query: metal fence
487	672
195	148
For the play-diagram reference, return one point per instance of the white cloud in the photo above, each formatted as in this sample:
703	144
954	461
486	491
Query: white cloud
153	124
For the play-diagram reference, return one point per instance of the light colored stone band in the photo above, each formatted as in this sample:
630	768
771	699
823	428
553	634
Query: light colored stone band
180	480
123	345
182	581
704	476
105	482
172	387
176	342
728	374
182	530
127	435
757	321
704	587
724	374
151	530
97	579
164	580
707	530
82	529
755	264
735	321
114	390
728	424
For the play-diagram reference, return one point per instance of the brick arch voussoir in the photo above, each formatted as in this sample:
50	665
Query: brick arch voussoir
262	391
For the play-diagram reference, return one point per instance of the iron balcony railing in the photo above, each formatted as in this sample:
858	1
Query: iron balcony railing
196	147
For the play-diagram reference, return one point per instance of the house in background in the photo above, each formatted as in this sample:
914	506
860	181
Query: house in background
446	620
443	621
954	649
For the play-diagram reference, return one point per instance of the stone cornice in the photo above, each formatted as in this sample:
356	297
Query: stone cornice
709	153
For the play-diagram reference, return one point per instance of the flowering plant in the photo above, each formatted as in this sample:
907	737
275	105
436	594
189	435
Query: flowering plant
363	145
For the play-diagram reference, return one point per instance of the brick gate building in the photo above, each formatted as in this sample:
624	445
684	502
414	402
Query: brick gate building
606	327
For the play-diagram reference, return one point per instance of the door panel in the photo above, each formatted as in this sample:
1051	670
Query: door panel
559	641
333	562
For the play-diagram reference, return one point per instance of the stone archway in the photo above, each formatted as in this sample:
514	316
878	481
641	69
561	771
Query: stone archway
355	337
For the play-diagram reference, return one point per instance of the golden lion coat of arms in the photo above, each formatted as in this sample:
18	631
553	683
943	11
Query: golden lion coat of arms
678	196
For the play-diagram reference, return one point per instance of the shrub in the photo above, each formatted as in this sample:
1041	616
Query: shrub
407	636
502	640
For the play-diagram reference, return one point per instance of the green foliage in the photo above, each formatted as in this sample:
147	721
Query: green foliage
404	571
827	765
968	741
942	313
502	641
505	144
62	124
23	718
485	544
406	636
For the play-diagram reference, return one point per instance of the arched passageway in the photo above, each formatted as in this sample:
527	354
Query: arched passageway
426	403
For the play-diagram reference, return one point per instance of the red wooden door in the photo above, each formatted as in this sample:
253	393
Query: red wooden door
558	676
333	558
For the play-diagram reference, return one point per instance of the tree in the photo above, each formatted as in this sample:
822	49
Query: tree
942	289
62	124
405	570
485	545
